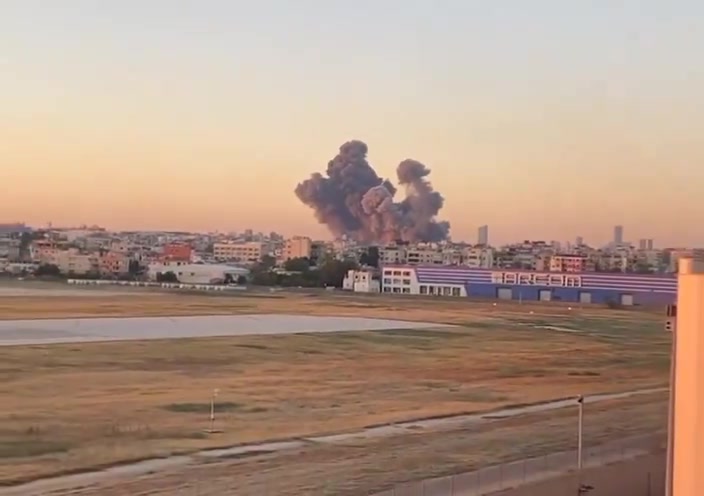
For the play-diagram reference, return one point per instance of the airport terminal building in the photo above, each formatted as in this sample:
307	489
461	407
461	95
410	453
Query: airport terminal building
507	284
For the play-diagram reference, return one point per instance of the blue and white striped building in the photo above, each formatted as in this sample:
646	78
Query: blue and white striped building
585	287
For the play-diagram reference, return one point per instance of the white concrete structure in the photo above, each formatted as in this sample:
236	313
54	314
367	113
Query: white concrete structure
404	280
188	273
687	450
51	331
361	281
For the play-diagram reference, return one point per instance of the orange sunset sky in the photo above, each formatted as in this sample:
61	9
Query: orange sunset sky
544	121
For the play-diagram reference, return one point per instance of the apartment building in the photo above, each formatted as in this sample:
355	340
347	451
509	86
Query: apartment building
177	251
431	254
248	251
478	257
568	263
114	263
75	262
297	247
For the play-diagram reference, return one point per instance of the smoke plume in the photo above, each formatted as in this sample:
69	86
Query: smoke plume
352	199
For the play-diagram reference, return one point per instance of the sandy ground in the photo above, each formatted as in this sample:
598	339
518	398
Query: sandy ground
51	331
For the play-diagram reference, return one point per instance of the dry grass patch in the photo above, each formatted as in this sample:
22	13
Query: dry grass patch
147	303
366	466
100	403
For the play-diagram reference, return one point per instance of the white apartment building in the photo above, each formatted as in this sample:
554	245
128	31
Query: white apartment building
479	257
247	251
361	281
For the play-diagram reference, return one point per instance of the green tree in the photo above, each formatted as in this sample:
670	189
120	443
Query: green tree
332	272
370	258
134	268
49	270
166	277
266	263
297	265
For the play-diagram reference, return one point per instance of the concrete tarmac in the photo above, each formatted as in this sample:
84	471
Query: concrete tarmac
54	331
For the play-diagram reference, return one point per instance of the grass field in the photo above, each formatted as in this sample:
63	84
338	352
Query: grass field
72	407
370	465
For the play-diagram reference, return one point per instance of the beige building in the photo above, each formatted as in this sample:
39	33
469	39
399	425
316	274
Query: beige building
431	254
74	262
297	247
248	251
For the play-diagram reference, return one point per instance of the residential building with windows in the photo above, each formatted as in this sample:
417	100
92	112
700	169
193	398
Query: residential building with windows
177	251
248	251
297	247
569	263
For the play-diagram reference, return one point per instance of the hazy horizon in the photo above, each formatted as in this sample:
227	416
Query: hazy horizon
540	119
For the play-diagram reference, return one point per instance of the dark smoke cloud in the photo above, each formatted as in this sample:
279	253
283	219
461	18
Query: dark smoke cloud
355	201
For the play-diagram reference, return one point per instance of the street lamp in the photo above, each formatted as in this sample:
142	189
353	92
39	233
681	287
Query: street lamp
581	488
212	430
580	431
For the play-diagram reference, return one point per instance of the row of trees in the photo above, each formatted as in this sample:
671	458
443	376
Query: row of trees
301	272
297	272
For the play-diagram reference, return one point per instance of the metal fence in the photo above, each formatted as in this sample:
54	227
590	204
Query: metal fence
515	474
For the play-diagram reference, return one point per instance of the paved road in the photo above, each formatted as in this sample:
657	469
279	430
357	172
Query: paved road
51	331
41	487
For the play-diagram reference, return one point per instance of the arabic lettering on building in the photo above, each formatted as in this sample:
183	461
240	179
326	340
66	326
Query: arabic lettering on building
537	279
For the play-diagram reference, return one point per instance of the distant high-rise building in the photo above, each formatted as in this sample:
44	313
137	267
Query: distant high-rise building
483	235
645	244
579	241
618	235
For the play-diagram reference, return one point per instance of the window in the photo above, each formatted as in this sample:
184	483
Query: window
397	272
431	290
387	289
447	291
396	290
424	289
397	281
407	282
456	292
387	281
407	273
406	290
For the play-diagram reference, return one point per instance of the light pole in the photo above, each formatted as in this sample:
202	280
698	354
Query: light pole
580	431
212	411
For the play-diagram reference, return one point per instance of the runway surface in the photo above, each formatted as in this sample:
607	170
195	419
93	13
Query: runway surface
54	331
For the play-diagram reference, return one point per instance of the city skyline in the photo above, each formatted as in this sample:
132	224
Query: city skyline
481	236
543	121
